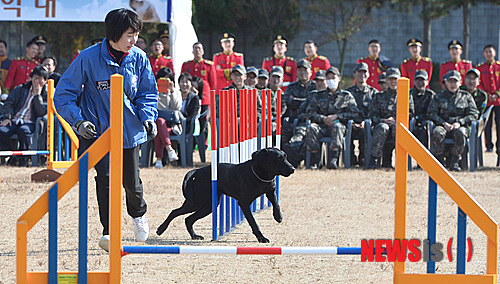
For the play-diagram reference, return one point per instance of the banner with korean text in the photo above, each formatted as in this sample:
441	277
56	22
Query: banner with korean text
81	10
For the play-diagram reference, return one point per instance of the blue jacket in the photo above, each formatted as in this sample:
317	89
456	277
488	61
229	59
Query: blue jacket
92	69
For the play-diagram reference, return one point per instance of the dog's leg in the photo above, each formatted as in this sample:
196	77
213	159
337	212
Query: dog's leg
276	207
202	212
253	224
184	209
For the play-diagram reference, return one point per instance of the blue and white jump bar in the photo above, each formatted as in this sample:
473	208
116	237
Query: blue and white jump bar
241	250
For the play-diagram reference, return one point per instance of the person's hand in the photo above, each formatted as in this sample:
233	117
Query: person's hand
86	129
390	120
448	127
171	85
150	128
37	86
456	125
6	122
194	90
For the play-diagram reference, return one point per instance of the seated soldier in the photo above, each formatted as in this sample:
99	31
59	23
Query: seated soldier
422	96
262	79
470	85
383	115
363	93
329	110
296	94
251	80
452	112
24	104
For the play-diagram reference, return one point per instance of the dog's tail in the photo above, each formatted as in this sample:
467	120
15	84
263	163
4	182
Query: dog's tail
187	186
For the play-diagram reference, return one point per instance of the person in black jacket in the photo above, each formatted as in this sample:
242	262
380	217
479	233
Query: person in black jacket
24	104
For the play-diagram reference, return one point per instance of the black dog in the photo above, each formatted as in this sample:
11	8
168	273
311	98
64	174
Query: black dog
244	182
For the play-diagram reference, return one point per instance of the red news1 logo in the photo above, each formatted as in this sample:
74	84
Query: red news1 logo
413	249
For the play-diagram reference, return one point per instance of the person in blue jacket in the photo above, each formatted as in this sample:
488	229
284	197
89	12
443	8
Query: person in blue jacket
82	98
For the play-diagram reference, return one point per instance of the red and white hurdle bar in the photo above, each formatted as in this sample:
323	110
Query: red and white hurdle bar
24	153
240	250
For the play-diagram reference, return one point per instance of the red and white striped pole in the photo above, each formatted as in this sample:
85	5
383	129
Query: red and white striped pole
278	119
213	143
269	119
263	120
233	126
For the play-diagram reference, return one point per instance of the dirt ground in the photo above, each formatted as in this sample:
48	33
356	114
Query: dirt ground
320	208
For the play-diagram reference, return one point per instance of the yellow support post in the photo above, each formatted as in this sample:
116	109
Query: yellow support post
21	252
401	171
115	178
50	124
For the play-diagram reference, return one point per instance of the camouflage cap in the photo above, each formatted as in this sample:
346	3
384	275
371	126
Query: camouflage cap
333	70
277	71
421	74
304	63
253	69
393	73
263	73
381	78
239	68
320	75
362	66
453	74
475	71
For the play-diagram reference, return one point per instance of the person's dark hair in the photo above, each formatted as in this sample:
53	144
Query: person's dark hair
40	71
200	86
489	46
31	43
155	40
197	43
119	21
374	41
4	42
310	41
50	57
165	73
185	74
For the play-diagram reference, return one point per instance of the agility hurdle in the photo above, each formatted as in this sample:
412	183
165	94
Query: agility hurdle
237	140
110	141
241	250
406	144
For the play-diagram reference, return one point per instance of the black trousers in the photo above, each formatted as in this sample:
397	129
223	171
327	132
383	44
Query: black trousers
136	206
487	131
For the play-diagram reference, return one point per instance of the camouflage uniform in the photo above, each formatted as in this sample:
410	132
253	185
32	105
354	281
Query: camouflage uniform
449	107
363	100
322	104
421	102
384	106
480	98
294	96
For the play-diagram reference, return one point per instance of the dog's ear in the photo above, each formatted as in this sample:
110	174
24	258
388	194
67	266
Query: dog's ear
259	153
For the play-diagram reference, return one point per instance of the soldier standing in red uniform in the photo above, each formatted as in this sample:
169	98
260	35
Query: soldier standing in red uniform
455	48
374	65
21	67
288	64
204	69
415	62
318	62
225	61
157	59
490	83
164	36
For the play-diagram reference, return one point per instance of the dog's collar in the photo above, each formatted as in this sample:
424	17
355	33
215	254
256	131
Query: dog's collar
262	180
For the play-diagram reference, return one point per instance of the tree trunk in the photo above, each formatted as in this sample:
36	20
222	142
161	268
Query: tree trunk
427	30
342	56
465	9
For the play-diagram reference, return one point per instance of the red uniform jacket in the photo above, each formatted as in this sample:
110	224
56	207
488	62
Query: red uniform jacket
206	71
461	66
374	70
319	62
19	71
490	79
160	62
289	67
223	64
410	66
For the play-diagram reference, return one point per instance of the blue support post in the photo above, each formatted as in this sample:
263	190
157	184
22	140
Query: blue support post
233	212
214	210
59	140
254	206
221	215
237	213
262	202
53	196
278	189
66	147
461	240
431	222
228	213
83	172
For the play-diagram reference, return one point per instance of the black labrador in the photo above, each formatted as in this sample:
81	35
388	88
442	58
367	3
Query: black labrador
243	182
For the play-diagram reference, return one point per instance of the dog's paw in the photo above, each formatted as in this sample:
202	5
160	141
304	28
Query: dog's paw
159	232
262	239
197	237
277	216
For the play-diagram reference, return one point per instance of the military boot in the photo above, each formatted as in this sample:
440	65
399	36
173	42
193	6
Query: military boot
333	161
315	159
387	160
454	163
372	164
292	155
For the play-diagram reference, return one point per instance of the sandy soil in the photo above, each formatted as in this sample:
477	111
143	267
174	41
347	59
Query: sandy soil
320	208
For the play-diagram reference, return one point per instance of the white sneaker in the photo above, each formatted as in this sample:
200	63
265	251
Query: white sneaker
141	228
104	242
158	164
172	156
